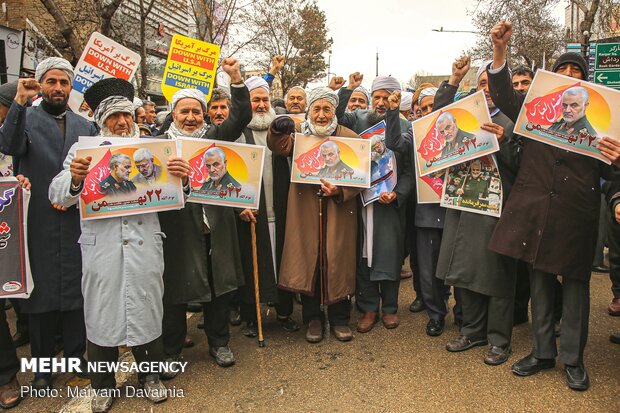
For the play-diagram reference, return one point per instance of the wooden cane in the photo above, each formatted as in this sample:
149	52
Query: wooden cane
259	319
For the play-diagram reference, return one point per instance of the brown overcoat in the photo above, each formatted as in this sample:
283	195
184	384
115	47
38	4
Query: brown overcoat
299	265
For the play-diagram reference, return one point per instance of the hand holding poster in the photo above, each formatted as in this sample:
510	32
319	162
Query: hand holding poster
453	135
129	178
569	113
339	161
224	173
383	172
102	58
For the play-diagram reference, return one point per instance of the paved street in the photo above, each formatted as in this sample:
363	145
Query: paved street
401	370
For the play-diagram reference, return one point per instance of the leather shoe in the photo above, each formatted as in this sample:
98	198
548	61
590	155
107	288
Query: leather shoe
342	333
601	268
577	377
366	322
234	318
615	338
614	307
529	365
390	320
250	329
9	394
434	328
497	355
42	382
223	356
417	305
288	324
154	389
101	404
462	343
314	333
21	338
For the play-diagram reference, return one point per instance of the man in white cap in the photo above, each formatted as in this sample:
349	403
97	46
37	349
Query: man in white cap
406	105
359	99
39	139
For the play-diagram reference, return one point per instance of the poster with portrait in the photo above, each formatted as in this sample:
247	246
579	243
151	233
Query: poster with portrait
15	275
339	161
224	173
102	58
129	178
569	113
453	135
474	186
429	187
383	172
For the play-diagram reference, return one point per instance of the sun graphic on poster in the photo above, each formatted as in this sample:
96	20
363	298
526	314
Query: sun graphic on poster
465	120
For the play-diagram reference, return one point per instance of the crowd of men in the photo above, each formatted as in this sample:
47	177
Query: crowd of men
129	281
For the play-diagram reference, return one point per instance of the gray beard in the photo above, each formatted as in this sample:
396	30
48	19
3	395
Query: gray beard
261	121
134	133
374	118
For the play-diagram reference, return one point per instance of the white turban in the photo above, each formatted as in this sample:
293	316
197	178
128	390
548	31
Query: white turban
385	83
53	63
362	89
255	82
429	91
110	106
405	101
137	102
322	93
482	69
189	93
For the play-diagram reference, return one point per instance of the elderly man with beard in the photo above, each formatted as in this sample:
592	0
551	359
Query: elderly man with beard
270	219
122	257
201	250
39	139
299	270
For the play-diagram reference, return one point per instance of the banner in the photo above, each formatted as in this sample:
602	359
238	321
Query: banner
383	168
339	161
102	58
452	135
474	186
569	113
15	276
224	173
191	64
129	178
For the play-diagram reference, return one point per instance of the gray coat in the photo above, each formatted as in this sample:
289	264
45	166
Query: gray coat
34	139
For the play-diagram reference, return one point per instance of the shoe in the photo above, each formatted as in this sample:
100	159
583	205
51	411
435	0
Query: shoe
314	333
250	329
201	323
20	338
614	307
390	320
42	382
194	307
342	333
615	338
601	268
529	365
416	306
101	404
288	324
462	343
10	395
577	377
497	355
234	318
366	322
188	342
155	389
434	328
170	374
223	356
557	329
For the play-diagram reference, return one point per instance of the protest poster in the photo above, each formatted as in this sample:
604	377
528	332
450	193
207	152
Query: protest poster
15	275
102	58
453	135
474	186
224	173
569	113
339	161
383	172
6	165
191	64
129	178
429	187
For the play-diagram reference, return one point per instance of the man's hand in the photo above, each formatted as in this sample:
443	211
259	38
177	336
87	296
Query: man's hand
231	67
179	167
248	215
355	80
617	213
387	197
329	189
26	89
500	35
494	128
79	169
336	83
610	148
59	207
277	63
394	100
24	182
460	67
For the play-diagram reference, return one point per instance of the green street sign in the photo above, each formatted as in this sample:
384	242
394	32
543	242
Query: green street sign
607	56
610	79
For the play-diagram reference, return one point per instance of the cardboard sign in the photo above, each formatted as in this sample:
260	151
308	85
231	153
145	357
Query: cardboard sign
383	168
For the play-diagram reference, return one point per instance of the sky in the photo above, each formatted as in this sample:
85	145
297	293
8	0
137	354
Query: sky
401	31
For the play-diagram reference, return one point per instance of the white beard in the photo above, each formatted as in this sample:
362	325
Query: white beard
133	133
261	121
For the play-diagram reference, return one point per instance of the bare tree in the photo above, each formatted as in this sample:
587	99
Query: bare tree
65	28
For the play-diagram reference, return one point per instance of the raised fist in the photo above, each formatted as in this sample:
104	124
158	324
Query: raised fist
355	80
394	100
277	63
336	83
501	33
230	65
26	89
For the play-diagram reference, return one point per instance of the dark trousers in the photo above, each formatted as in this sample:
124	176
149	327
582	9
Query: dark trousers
43	328
9	363
370	295
613	241
174	329
338	313
522	292
148	352
22	318
603	225
575	317
284	306
487	317
433	291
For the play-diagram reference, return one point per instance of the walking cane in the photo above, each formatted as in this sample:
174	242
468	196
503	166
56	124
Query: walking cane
320	194
261	341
